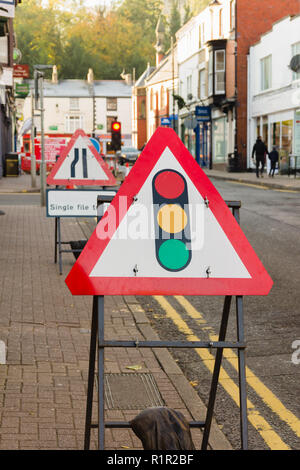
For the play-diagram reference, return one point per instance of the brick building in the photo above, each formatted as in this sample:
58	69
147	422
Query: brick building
253	18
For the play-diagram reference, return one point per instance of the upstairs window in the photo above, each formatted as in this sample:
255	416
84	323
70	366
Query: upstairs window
219	72
216	72
74	103
111	104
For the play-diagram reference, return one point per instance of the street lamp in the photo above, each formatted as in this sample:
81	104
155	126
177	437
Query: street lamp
39	93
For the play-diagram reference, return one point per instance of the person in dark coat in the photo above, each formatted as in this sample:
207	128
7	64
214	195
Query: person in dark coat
274	158
260	150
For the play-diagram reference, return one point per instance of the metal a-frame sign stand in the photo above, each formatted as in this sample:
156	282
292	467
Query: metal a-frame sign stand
164	176
98	345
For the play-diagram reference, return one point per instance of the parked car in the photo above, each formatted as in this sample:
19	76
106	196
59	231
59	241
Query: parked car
128	155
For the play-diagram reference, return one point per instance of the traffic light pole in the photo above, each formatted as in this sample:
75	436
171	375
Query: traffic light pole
97	336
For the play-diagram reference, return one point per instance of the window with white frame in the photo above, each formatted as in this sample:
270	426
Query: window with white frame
266	73
232	14
201	35
210	73
73	123
189	85
295	51
221	31
111	104
220	72
202	84
74	104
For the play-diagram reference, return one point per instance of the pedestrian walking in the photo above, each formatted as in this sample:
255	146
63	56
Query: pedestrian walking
260	150
274	158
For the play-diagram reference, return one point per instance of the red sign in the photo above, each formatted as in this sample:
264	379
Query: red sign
21	71
53	148
81	164
168	232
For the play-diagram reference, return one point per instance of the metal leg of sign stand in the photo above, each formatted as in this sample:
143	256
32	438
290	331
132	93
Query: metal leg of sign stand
55	242
216	373
59	245
242	374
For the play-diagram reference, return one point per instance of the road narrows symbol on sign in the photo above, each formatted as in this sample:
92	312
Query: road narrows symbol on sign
161	236
81	164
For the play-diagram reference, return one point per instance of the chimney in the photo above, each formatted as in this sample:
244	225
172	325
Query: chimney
90	77
54	75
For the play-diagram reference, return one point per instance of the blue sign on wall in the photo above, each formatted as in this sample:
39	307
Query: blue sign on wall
165	121
203	113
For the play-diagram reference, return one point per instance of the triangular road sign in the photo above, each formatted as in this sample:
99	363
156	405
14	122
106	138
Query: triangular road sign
81	164
168	232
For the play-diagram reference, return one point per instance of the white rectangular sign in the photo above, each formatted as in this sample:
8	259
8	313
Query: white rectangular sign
74	202
6	77
7	8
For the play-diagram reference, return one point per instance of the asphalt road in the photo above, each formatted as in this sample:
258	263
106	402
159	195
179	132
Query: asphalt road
271	221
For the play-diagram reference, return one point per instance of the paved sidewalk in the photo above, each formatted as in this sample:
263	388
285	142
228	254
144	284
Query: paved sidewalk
280	182
43	381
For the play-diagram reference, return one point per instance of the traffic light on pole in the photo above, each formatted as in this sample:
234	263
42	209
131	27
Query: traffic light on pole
116	137
171	219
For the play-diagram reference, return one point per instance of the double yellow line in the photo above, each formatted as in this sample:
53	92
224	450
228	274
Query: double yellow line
272	439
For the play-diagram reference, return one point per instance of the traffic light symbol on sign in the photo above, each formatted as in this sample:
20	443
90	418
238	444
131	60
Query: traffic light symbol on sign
171	219
116	135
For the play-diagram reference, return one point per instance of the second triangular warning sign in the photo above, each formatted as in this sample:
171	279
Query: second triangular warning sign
168	231
80	164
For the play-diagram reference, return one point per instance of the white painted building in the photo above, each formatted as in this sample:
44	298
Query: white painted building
75	104
159	88
274	90
206	78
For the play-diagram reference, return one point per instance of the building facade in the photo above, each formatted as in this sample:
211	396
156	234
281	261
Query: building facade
160	86
77	104
253	19
274	90
206	64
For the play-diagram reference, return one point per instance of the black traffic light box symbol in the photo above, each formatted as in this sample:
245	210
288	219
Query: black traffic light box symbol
171	220
116	136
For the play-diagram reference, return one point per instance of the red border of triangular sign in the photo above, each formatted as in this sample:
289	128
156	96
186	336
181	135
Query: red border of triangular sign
79	281
111	181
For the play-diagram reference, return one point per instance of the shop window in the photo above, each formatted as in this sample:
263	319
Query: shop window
266	73
287	135
219	140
